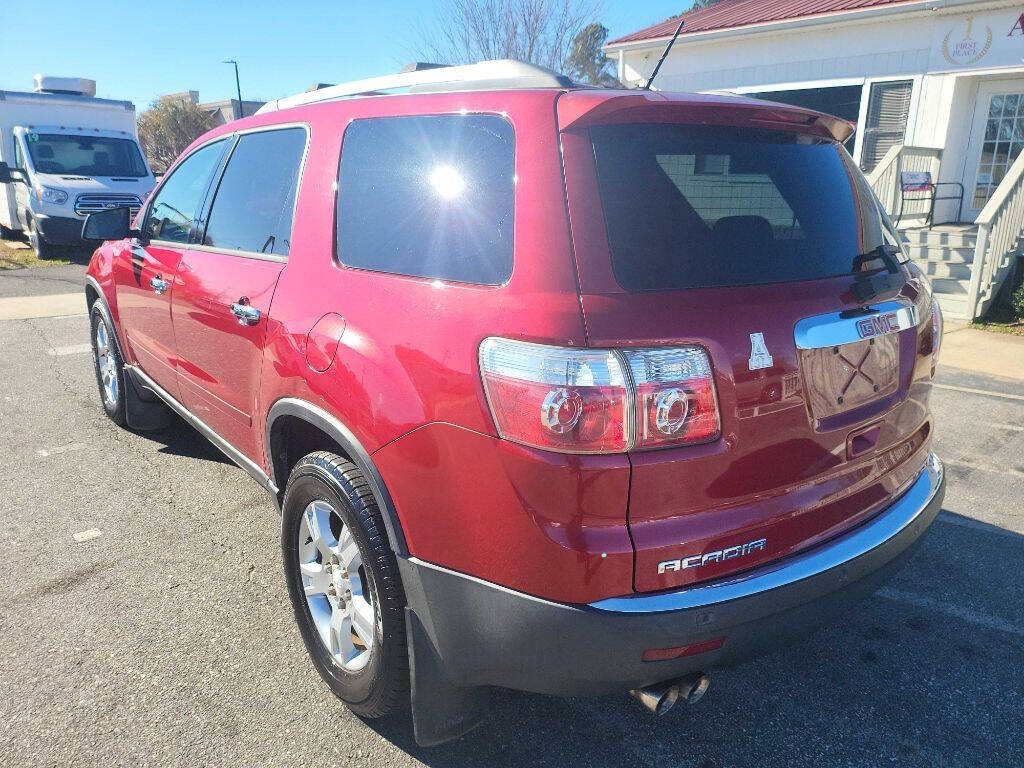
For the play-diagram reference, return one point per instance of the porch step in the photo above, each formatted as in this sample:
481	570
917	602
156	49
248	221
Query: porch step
951	286
961	254
944	269
953	307
949	235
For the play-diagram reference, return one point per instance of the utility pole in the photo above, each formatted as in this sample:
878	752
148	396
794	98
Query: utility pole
238	87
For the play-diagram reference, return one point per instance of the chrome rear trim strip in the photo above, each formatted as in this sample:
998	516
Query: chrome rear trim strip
836	328
861	541
225	447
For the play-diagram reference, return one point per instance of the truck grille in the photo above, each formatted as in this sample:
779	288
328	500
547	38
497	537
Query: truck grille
86	204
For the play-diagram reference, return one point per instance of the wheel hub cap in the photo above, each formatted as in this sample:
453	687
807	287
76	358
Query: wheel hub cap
333	580
106	365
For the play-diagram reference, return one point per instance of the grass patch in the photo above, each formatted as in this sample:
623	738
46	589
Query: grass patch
1015	328
17	255
1007	313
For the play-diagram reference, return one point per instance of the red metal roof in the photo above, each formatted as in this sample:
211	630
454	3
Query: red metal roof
729	14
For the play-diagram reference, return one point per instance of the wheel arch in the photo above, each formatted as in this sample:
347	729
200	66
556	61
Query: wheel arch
94	294
288	414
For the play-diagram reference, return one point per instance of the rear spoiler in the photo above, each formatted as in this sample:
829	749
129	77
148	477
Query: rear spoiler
578	109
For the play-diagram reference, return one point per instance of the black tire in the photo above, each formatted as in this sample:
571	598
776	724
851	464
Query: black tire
114	407
43	249
6	233
381	687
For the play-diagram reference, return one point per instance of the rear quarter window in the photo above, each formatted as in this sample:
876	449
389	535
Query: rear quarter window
688	206
428	196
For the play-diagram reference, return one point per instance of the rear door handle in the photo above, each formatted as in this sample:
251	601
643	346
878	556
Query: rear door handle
158	284
247	315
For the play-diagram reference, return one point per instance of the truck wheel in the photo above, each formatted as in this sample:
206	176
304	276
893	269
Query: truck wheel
6	233
109	366
344	585
43	249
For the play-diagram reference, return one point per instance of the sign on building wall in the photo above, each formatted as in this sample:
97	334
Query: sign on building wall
980	41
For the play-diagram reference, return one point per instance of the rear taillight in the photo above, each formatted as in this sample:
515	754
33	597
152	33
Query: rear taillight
599	401
675	396
936	328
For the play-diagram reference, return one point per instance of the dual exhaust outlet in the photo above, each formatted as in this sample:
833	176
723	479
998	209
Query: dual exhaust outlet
661	697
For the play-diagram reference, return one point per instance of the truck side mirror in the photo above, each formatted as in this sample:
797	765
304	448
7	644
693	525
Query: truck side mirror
10	175
111	224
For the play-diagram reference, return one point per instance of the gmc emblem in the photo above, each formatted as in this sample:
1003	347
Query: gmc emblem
878	325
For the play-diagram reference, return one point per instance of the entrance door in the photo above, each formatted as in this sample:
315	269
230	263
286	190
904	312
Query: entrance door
997	137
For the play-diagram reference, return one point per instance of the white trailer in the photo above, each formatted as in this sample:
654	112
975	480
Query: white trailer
63	155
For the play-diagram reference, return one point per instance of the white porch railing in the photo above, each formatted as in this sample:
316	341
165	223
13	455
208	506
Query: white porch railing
885	177
999	232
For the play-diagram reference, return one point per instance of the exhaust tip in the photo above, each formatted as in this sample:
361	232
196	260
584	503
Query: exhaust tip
660	698
693	687
657	699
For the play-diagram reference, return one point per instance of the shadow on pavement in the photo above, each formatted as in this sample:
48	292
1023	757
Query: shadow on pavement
181	439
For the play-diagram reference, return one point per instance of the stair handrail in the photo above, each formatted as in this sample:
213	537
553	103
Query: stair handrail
884	178
999	228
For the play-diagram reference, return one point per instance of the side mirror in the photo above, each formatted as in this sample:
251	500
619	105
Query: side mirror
10	175
111	224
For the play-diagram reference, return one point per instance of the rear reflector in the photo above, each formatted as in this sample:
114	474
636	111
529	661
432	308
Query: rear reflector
664	654
599	401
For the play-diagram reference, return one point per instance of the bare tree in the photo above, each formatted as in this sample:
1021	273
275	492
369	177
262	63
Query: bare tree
537	31
168	127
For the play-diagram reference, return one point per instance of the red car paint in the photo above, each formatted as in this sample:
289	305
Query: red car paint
395	360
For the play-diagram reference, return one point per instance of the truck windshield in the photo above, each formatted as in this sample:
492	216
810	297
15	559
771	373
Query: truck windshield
85	155
688	206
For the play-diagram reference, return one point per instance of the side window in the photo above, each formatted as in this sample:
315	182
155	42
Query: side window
428	196
176	204
252	209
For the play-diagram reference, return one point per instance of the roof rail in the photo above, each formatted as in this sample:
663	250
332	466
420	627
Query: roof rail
484	75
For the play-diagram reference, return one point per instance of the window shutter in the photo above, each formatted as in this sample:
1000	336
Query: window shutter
888	108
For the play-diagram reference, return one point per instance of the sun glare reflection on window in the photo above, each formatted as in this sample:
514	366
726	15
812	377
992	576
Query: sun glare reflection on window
447	182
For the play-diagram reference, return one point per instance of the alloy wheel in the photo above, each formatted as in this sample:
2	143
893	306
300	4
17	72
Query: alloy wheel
106	364
334	581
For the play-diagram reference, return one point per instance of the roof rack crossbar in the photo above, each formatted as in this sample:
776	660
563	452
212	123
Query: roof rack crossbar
500	73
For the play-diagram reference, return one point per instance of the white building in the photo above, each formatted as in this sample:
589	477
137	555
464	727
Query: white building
933	85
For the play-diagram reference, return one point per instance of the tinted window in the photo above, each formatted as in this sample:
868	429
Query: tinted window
429	197
178	199
252	209
85	155
687	206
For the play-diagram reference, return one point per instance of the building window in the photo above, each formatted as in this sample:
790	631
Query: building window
886	123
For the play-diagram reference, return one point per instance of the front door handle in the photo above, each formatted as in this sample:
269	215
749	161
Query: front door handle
158	284
247	315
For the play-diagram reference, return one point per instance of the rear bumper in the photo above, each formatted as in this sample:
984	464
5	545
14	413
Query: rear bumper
485	634
60	230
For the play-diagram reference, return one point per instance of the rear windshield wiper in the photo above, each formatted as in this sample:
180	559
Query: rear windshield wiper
870	283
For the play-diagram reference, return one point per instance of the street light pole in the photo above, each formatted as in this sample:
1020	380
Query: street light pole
238	87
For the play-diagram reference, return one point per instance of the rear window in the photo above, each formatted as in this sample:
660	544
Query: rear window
428	196
690	206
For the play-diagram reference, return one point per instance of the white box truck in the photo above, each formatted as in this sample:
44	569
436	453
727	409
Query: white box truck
63	155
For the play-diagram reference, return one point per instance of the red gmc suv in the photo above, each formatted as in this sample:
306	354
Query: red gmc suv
559	389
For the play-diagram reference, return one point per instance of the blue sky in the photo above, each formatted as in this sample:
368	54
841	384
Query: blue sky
139	50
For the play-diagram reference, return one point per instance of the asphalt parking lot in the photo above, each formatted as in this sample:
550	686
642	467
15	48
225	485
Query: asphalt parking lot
166	638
